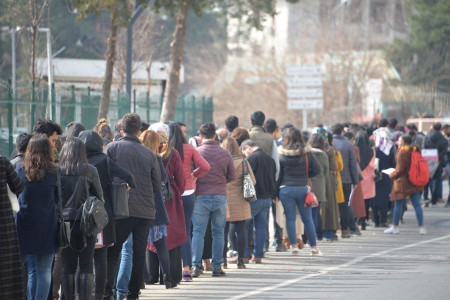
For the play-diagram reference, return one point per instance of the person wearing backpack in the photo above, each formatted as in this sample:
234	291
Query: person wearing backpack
403	188
79	180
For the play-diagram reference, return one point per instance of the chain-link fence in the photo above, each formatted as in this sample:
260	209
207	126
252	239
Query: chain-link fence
20	110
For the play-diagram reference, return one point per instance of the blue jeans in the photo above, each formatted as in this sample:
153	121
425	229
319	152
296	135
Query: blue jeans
315	211
293	197
186	248
398	209
214	207
436	185
260	213
126	265
39	275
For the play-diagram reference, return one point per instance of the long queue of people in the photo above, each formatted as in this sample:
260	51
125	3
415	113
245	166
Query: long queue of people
200	204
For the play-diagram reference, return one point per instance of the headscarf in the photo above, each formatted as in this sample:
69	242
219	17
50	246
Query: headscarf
365	151
383	140
163	130
324	134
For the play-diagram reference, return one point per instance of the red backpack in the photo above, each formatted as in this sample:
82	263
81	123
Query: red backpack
418	172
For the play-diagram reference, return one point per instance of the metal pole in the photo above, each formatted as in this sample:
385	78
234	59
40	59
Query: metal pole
50	69
305	119
10	118
13	62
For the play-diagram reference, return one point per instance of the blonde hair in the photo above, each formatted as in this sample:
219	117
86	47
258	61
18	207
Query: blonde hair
151	140
231	145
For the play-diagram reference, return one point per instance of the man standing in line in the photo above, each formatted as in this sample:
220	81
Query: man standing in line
263	168
211	200
349	174
142	163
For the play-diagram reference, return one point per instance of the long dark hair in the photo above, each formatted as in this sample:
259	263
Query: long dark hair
317	141
293	140
176	138
73	160
38	158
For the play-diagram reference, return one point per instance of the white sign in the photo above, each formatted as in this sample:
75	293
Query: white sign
374	88
305	104
294	82
301	70
304	93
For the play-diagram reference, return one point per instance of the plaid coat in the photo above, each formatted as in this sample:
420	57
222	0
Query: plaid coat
10	263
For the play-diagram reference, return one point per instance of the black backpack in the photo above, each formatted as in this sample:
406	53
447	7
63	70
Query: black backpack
93	217
166	190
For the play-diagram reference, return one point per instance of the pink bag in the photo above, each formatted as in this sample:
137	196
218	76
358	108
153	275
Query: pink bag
310	197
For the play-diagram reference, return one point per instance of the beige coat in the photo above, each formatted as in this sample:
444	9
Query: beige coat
238	207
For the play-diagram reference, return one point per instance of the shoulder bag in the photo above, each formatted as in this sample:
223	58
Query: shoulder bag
248	189
310	197
117	193
63	226
166	190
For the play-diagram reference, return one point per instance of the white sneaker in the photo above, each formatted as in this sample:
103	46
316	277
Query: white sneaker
316	252
422	230
294	249
392	230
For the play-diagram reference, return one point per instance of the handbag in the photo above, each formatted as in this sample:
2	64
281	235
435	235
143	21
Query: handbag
63	226
310	198
118	195
166	189
248	188
93	217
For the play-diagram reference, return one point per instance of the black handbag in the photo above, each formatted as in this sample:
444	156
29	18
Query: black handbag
118	195
63	226
94	216
166	189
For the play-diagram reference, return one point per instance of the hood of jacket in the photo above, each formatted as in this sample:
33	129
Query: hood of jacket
93	142
287	152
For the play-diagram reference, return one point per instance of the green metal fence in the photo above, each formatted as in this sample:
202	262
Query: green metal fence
19	112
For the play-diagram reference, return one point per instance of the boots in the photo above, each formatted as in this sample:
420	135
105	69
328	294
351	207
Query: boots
86	286
68	286
169	282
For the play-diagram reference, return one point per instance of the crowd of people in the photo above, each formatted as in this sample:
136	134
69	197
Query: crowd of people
198	204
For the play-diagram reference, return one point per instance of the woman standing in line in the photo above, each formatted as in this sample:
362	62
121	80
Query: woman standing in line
292	184
190	157
176	230
36	219
107	169
402	188
79	180
238	208
10	263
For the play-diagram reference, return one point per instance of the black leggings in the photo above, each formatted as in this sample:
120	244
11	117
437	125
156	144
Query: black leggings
72	256
154	260
101	271
238	236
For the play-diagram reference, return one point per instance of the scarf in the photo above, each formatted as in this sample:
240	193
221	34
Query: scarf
383	140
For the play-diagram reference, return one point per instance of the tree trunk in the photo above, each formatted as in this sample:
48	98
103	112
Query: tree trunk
110	59
33	54
176	55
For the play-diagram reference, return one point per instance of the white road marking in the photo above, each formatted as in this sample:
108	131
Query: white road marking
334	268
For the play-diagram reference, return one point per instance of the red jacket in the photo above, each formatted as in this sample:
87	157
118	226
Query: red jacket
192	156
176	230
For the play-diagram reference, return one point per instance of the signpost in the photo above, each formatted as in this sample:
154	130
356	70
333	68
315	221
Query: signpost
304	88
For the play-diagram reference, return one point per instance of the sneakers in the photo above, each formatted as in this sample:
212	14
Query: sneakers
315	252
294	249
233	260
392	230
281	248
186	276
218	273
355	232
345	234
422	231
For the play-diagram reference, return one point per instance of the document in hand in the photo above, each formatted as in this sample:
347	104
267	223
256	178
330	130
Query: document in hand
388	171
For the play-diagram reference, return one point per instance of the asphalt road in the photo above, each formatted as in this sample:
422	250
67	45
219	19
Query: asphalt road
372	266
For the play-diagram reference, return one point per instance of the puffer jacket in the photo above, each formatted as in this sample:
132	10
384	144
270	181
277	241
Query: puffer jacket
75	189
142	163
435	140
293	168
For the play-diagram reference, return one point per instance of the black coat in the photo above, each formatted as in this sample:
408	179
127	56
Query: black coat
263	167
293	168
100	160
142	163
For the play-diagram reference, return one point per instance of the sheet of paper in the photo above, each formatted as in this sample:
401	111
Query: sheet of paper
388	171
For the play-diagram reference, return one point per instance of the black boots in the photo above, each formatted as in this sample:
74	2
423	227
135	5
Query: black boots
68	286
86	286
169	282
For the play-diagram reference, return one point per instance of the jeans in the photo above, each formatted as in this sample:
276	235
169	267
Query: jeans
398	209
186	248
315	211
293	197
214	207
39	275
260	212
126	264
140	228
